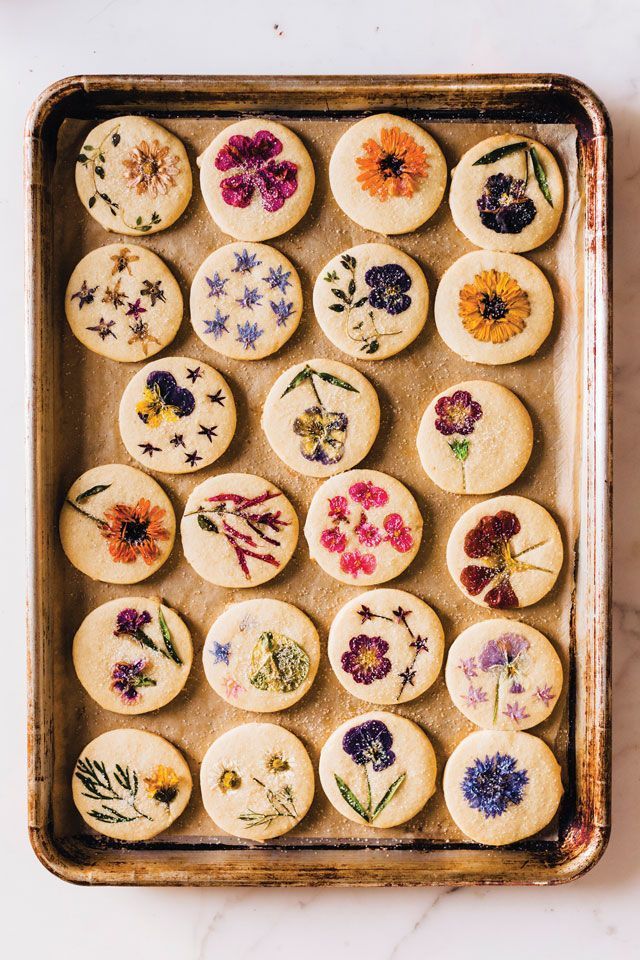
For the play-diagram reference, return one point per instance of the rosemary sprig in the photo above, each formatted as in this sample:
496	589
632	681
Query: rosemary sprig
97	782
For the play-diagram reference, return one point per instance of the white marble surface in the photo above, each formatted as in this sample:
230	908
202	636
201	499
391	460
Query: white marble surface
599	42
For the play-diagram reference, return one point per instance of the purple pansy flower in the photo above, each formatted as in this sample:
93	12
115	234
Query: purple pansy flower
127	677
504	206
389	285
365	659
503	652
370	742
162	395
275	181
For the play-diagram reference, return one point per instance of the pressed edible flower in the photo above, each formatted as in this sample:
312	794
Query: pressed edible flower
323	434
163	401
493	307
393	166
275	181
134	531
162	785
504	206
494	784
365	659
150	169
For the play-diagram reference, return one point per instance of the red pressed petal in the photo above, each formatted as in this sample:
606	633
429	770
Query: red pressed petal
502	597
490	533
475	579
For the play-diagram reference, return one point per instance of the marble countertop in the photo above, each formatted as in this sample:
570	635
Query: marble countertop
595	916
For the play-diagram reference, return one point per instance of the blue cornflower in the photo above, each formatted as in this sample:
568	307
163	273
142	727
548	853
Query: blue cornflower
220	652
277	278
216	285
248	333
218	325
245	261
282	311
250	298
493	784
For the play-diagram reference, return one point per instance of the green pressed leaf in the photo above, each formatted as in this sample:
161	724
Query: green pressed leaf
351	798
138	221
205	524
92	201
336	381
388	797
340	294
337	307
541	176
372	347
166	636
82	158
460	449
115	139
92	491
352	287
299	378
88	146
360	303
331	277
100	172
501	152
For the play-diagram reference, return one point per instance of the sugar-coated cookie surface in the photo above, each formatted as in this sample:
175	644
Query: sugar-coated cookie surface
503	675
507	193
238	530
117	524
133	176
363	527
257	781
261	655
505	553
177	415
321	417
257	179
246	301
386	646
502	787
132	654
130	785
388	174
371	300
123	302
475	437
378	769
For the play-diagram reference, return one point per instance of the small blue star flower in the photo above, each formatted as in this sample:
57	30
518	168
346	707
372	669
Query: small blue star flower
282	311
220	652
245	261
248	333
216	285
250	298
218	325
278	278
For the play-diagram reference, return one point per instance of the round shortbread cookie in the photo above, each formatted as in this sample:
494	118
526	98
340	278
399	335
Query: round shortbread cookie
388	174
378	769
493	308
130	785
238	530
363	527
246	301
117	524
123	302
371	301
503	675
257	179
132	654
321	417
257	781
505	553
386	646
133	176
475	437
177	415
261	655
507	193
501	787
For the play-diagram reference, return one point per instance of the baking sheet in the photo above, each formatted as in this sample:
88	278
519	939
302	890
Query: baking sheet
87	435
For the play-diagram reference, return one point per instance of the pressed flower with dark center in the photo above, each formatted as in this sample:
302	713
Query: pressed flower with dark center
134	531
163	400
370	742
323	434
504	206
493	307
365	659
392	167
494	784
458	413
162	785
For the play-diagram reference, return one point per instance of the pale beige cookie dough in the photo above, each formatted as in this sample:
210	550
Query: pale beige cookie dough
133	176
371	301
177	415
261	655
130	785
117	524
321	417
507	193
386	646
505	553
503	675
501	787
238	530
493	308
388	174
378	769
363	527
257	781
246	301
123	302
257	179
132	654
475	437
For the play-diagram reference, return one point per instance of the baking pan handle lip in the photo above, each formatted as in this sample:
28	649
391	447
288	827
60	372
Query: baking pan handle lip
588	99
55	860
49	101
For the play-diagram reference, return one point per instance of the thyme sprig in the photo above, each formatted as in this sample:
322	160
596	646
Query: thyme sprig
346	302
281	802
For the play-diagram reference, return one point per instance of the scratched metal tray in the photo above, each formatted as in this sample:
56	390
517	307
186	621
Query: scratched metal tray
419	857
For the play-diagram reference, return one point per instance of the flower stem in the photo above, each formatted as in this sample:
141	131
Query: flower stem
85	513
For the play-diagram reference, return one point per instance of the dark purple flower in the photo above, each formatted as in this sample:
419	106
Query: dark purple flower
127	677
370	742
504	206
389	288
276	181
458	413
493	784
503	652
129	621
516	687
365	659
164	400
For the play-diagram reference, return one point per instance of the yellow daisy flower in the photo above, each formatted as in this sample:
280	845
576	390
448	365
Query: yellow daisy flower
494	307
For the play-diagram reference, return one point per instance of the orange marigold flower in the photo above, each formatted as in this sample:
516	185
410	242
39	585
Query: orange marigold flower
494	307
150	169
134	531
392	167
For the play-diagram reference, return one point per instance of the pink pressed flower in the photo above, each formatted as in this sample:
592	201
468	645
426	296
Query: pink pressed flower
398	536
368	495
353	563
333	540
515	712
367	533
232	687
338	508
474	696
545	694
468	667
